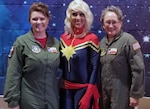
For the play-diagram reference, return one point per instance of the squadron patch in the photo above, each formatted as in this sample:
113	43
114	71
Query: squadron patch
11	52
36	49
136	46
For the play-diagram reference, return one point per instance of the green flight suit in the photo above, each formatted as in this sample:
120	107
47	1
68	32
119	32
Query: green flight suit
122	71
31	75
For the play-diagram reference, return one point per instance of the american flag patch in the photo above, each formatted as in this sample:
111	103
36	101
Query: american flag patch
52	50
136	46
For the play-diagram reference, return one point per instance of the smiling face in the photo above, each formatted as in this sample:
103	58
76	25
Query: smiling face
38	21
111	23
77	19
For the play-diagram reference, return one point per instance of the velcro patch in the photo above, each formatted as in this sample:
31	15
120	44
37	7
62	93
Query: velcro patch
11	52
136	46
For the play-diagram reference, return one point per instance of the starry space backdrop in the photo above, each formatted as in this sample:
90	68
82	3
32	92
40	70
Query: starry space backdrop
14	22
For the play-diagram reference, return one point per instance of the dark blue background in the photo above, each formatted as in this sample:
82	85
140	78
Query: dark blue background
14	22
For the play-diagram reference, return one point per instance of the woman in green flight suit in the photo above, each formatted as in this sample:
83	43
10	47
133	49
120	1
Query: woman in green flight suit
122	65
31	75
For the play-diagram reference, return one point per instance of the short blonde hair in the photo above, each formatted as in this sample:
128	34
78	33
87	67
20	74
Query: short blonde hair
82	6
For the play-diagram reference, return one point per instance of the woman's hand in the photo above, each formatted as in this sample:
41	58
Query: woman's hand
134	102
17	107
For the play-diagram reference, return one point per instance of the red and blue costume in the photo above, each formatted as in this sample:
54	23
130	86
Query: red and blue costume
80	65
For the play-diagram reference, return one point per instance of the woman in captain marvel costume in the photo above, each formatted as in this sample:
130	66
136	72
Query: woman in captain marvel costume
79	59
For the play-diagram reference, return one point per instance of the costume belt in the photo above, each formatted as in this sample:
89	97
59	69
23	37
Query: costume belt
95	92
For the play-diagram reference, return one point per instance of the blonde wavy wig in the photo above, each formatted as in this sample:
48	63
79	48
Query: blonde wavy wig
78	5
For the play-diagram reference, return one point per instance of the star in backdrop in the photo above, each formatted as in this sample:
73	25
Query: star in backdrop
14	22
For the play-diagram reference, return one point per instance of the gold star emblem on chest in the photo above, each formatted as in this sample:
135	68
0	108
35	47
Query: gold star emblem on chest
68	51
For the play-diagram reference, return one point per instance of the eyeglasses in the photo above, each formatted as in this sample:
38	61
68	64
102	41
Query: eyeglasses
107	23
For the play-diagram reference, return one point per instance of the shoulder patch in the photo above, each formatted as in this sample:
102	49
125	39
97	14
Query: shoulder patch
136	46
11	52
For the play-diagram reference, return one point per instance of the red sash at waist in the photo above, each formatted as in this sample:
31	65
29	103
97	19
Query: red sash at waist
95	92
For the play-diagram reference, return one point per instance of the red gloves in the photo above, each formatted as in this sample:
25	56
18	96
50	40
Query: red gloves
85	100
